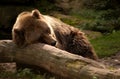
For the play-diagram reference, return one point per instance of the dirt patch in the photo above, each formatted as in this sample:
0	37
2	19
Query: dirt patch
112	62
8	67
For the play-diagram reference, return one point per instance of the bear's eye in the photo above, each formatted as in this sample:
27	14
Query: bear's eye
47	31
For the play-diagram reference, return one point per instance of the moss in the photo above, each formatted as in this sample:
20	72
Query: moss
75	64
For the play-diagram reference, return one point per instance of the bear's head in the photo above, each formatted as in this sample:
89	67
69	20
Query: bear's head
31	27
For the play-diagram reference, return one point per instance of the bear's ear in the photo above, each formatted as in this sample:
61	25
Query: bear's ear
36	13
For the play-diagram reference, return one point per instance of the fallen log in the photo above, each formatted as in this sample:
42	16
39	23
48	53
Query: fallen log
56	61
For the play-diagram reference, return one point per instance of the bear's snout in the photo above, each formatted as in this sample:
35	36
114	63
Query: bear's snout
53	43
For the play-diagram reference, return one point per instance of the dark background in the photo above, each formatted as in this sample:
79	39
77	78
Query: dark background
9	9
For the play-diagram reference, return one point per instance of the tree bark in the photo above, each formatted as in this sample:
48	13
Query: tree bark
57	61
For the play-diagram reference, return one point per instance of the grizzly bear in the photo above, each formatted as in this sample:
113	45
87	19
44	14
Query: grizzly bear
33	27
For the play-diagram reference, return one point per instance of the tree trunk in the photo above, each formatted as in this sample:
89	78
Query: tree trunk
57	61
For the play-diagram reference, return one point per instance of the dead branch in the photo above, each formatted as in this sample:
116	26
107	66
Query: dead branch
57	61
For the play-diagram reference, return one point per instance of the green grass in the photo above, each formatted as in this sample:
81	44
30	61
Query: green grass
26	74
107	45
89	19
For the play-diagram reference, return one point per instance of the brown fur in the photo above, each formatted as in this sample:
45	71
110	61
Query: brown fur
32	27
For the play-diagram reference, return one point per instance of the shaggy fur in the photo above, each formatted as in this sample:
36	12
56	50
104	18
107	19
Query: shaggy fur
33	27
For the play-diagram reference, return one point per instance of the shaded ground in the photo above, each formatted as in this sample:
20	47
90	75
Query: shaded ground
112	62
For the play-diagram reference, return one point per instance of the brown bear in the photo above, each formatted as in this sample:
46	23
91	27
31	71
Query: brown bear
33	27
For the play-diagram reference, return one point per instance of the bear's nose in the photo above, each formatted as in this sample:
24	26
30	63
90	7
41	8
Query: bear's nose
53	43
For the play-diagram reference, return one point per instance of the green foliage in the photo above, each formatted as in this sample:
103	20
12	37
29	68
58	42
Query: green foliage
22	74
107	45
103	21
46	6
102	4
70	21
99	25
94	77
